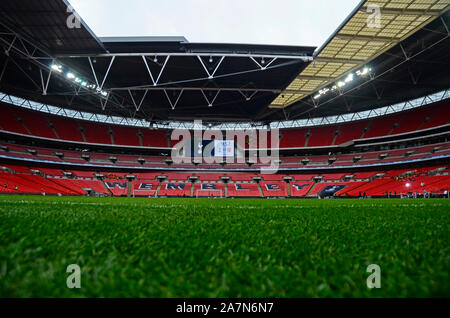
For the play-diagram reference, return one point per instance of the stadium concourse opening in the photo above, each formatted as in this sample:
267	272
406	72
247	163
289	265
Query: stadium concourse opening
365	116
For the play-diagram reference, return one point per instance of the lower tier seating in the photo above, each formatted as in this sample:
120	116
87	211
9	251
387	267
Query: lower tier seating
381	183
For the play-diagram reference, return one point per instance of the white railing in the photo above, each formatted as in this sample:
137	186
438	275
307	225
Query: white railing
318	121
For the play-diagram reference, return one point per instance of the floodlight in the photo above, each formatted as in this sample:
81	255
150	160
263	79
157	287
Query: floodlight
56	67
349	78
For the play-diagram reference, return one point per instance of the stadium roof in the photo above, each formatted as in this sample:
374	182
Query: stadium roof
58	60
167	79
360	39
45	22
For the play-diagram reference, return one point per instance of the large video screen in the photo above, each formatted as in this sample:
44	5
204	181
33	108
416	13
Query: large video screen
224	148
211	148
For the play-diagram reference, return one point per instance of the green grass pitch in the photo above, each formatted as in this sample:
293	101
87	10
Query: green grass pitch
141	247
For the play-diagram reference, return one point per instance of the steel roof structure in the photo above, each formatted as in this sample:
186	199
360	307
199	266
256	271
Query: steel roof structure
50	56
370	30
309	122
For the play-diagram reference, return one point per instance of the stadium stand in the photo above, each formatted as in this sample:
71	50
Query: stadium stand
274	188
125	136
321	136
293	138
67	129
440	116
59	168
240	189
433	179
117	187
38	124
143	187
175	189
350	131
209	189
8	120
96	132
154	138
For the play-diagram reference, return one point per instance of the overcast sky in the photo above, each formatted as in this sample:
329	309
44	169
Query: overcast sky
285	22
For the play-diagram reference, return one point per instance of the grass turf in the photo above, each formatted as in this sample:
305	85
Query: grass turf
223	248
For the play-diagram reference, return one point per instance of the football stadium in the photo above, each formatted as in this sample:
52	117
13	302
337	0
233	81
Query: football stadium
158	167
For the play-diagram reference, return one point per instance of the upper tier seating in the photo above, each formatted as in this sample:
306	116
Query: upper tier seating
350	131
321	136
125	136
424	117
154	138
67	129
293	138
9	122
40	124
37	125
96	133
440	117
383	126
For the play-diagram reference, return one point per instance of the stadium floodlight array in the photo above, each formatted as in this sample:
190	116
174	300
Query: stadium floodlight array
78	80
341	83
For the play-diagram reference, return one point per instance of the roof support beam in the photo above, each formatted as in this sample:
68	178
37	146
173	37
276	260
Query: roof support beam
148	69
192	54
104	102
138	106
337	60
248	96
28	49
77	91
314	77
162	70
25	73
107	72
382	39
372	77
262	65
173	104
144	58
445	25
295	91
20	102
48	81
210	75
406	11
205	89
4	68
93	71
210	102
10	46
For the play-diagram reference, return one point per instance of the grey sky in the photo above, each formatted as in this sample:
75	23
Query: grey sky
285	22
